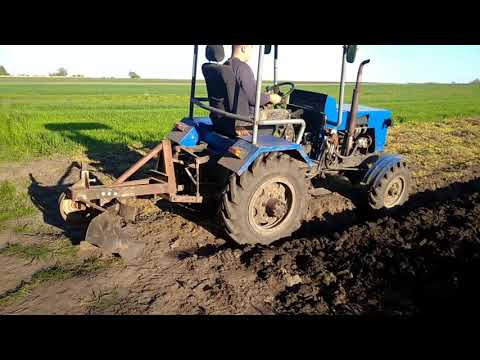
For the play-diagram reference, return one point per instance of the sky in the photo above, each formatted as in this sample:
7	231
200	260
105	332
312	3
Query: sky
389	63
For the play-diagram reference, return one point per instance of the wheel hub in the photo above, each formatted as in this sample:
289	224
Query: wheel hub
271	205
276	208
394	192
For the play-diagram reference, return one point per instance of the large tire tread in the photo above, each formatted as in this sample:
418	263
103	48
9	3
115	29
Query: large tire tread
376	192
234	205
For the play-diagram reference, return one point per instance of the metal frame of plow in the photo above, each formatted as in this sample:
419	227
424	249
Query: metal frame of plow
163	183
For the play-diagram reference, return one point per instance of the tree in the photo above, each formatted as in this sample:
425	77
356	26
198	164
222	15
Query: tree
3	71
60	72
133	75
475	82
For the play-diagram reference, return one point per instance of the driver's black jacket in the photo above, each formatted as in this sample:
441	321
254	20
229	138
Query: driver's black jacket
245	78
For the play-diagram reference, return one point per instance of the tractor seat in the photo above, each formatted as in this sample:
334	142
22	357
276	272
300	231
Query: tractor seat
219	78
224	94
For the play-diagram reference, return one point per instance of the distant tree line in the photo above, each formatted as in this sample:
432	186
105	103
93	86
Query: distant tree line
475	82
133	75
60	72
63	72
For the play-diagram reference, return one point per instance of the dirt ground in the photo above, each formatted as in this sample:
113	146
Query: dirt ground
423	258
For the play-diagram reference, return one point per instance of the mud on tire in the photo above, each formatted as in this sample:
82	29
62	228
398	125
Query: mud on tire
392	190
266	203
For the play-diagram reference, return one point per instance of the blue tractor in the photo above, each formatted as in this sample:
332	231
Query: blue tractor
260	183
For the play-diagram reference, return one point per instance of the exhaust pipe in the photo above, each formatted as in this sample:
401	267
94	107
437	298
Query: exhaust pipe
352	122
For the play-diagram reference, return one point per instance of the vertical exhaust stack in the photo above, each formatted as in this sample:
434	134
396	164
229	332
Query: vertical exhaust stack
352	121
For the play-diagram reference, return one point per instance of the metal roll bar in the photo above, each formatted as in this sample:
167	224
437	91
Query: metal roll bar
342	89
300	122
275	65
194	79
303	125
259	94
198	102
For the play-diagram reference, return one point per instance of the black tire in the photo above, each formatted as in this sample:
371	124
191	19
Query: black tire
383	196
212	202
244	197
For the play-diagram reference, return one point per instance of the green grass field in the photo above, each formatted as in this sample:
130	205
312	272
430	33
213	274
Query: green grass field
50	117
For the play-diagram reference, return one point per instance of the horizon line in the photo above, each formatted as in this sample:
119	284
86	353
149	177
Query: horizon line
188	80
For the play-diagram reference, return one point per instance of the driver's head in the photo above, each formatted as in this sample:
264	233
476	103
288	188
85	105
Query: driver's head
242	52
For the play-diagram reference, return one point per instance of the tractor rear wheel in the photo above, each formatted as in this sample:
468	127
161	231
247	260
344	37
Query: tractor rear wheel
267	202
392	190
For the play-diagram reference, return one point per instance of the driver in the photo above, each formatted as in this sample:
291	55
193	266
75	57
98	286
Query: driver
245	79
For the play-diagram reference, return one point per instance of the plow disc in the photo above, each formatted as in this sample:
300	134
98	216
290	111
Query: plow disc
107	231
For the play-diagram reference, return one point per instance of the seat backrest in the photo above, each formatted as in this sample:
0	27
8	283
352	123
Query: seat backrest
221	89
216	78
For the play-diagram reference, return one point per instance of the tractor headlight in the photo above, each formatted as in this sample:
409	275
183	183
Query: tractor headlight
237	152
181	126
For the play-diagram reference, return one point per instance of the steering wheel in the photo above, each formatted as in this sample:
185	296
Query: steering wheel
276	89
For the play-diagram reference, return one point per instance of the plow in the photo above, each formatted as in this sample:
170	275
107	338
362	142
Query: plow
259	183
106	206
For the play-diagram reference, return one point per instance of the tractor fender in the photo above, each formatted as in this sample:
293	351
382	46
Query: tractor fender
380	168
248	153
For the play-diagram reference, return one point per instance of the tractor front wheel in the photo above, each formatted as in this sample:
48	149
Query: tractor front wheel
392	189
267	202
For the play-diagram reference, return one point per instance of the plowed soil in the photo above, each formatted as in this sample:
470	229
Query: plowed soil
422	258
